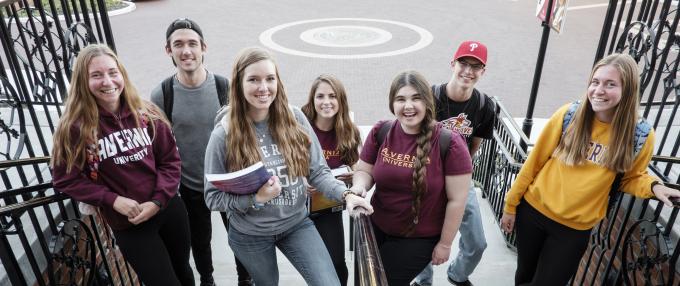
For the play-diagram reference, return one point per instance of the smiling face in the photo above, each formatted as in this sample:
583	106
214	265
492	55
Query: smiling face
259	88
325	101
186	49
467	71
105	82
604	92
409	107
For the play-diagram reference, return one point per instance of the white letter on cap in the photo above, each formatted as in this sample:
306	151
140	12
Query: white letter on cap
473	46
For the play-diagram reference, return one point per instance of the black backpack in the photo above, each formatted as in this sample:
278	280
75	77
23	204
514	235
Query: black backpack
436	90
444	138
221	84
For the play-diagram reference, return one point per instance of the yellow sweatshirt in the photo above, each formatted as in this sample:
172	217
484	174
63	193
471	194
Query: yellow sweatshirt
575	196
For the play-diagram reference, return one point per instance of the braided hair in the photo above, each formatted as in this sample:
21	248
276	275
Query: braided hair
424	139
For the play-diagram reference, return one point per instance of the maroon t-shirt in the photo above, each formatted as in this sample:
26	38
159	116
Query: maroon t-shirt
329	145
393	175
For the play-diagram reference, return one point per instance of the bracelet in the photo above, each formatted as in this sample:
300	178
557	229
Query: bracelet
158	203
345	194
254	204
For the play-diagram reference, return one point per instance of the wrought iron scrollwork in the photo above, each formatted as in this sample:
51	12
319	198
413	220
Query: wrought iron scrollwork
10	106
639	41
30	40
645	251
73	247
500	172
77	37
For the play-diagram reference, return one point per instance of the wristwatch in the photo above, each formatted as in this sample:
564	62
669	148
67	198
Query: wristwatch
158	203
256	205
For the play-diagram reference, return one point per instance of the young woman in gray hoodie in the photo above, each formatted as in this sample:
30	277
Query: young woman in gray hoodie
259	125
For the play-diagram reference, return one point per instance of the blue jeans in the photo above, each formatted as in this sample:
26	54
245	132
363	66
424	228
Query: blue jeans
471	245
301	244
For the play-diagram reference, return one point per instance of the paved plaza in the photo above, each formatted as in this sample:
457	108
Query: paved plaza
366	43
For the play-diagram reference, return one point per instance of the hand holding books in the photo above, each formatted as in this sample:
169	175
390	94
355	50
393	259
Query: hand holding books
268	191
343	173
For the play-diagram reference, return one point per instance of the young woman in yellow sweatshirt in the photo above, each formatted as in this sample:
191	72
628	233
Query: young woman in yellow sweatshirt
562	189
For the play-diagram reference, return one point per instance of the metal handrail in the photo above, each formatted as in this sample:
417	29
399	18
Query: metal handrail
370	269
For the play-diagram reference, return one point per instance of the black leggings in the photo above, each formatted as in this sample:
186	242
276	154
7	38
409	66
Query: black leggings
331	229
403	258
159	247
548	253
201	231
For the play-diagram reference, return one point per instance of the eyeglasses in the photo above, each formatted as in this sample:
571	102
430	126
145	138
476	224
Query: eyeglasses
473	67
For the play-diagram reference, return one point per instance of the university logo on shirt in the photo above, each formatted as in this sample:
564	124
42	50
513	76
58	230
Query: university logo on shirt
327	154
459	123
398	159
596	152
117	144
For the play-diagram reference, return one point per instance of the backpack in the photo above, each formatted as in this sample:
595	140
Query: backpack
444	138
642	129
438	96
221	85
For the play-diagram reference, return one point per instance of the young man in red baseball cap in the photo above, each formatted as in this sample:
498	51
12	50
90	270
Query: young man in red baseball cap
461	107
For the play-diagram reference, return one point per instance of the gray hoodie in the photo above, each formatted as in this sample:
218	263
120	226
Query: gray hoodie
284	211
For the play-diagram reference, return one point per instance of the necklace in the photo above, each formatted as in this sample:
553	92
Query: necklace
260	134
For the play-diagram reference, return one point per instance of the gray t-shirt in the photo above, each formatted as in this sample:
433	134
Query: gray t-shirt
284	211
193	114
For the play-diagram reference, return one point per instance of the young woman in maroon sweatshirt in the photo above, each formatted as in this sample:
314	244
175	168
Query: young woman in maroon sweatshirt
116	152
419	196
328	113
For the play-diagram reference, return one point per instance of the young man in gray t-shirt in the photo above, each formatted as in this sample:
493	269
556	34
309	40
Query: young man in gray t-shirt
194	103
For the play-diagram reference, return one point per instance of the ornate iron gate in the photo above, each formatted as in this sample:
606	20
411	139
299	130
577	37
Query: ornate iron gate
43	238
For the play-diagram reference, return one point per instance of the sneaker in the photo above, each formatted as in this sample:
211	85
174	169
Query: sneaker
464	283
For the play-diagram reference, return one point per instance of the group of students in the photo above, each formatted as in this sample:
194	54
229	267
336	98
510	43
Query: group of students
121	154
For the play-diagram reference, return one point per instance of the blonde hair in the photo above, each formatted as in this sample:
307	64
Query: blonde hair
241	144
424	139
573	148
347	133
81	110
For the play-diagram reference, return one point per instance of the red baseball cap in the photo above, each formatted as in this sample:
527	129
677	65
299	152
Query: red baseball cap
473	49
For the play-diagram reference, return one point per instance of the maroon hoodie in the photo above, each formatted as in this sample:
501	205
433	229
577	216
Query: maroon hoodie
132	163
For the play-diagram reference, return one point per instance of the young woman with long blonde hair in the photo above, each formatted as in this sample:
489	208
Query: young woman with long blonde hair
259	125
116	152
562	190
420	190
328	112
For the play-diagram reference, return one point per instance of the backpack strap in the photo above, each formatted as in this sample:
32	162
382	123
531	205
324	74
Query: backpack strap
168	96
222	86
482	100
382	132
642	129
444	142
569	115
437	92
444	138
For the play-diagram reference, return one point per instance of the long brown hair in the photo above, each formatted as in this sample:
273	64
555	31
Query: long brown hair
573	148
241	144
423	141
349	137
81	110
